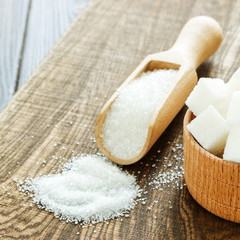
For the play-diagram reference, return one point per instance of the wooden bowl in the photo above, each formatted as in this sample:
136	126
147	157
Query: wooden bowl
213	182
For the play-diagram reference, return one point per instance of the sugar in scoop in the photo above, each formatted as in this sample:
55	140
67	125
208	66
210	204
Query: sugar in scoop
125	128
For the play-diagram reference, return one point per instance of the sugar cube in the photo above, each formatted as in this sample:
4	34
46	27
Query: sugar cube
209	128
234	81
231	151
223	105
233	114
207	92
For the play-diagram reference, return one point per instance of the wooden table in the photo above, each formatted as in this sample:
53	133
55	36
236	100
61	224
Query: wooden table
60	102
29	29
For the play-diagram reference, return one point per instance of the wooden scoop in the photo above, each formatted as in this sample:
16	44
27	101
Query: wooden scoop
199	39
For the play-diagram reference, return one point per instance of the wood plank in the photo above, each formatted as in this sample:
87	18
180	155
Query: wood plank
47	22
13	17
103	46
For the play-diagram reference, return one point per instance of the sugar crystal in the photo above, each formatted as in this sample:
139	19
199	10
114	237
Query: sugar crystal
126	125
90	188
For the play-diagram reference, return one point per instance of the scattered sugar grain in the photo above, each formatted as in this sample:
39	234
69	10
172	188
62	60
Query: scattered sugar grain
126	125
90	188
173	176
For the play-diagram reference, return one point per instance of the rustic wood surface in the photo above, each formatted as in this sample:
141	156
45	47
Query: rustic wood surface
60	102
11	40
28	31
48	20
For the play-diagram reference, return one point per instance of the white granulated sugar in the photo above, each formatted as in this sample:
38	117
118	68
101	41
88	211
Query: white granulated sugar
89	189
172	173
126	125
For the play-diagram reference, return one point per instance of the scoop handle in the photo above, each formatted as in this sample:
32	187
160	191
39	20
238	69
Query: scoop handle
199	39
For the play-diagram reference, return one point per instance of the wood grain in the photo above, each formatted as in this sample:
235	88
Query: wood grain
25	44
48	21
60	102
13	17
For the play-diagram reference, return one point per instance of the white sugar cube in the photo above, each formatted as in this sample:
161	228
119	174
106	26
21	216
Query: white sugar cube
233	114
210	129
223	105
232	151
234	81
207	92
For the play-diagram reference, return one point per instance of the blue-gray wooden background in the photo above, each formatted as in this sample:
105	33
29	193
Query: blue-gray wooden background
28	31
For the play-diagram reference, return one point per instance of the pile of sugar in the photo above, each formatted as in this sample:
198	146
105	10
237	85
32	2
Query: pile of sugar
89	189
169	177
217	124
126	125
